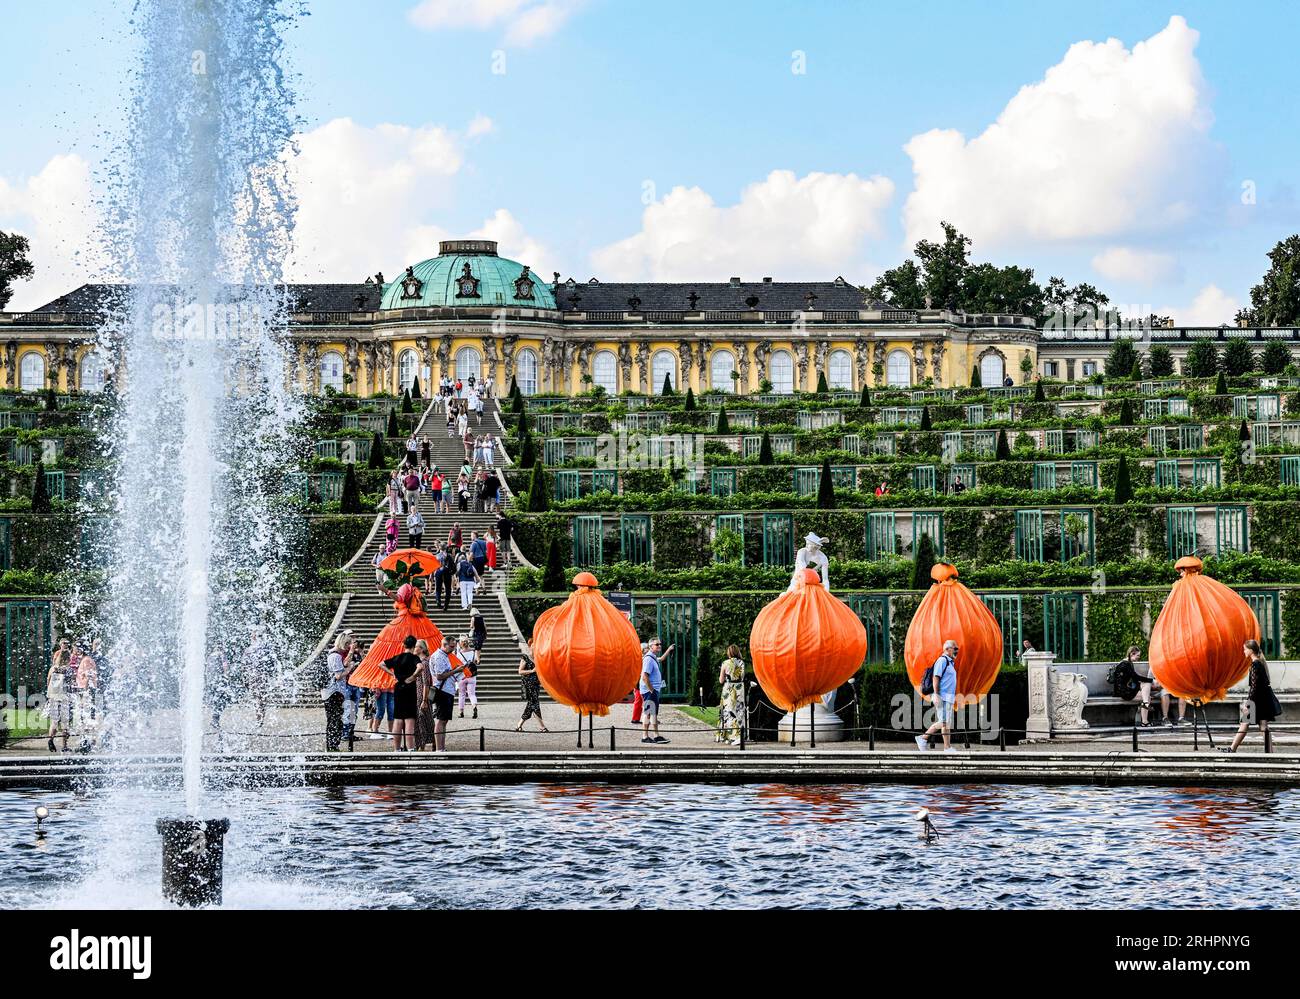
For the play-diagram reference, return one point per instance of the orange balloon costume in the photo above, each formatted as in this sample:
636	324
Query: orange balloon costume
1196	642
587	653
427	561
805	643
950	610
410	620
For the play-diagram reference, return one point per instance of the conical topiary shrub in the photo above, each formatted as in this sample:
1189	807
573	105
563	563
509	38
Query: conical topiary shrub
1123	484
553	580
350	498
765	450
926	423
1003	452
1136	374
415	387
527	451
51	400
864	400
975	378
1220	385
689	405
539	500
724	425
376	451
923	562
1039	395
393	429
1125	413
40	494
822	387
826	488
668	385
406	401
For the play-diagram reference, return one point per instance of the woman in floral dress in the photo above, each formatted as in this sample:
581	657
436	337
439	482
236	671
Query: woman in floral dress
731	707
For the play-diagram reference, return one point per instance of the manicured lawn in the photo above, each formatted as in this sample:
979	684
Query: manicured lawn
34	725
707	715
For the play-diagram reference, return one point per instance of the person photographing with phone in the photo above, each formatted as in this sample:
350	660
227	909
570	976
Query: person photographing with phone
652	682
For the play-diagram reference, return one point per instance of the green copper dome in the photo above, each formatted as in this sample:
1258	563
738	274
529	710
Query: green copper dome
467	273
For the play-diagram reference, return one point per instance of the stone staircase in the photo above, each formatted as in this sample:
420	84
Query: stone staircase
368	611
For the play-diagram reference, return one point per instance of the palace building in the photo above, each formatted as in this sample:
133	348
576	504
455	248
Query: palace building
469	311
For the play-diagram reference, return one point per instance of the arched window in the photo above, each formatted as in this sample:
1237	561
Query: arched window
331	370
526	371
408	364
662	365
839	370
604	371
781	369
898	369
91	374
992	370
31	372
469	362
720	369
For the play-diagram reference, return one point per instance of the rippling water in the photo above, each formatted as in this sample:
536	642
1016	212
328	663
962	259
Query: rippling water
678	846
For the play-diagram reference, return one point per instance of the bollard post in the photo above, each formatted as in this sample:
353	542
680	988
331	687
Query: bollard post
1268	740
1002	738
611	738
591	731
1135	738
482	739
352	741
871	737
812	728
1196	732
579	729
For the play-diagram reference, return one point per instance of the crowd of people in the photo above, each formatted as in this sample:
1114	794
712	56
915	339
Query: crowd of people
75	693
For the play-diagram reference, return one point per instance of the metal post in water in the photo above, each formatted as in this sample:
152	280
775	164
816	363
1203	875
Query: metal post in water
192	860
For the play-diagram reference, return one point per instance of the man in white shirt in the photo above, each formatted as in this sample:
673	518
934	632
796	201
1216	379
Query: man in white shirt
415	526
444	691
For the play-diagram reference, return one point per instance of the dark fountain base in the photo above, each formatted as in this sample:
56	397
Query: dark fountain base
192	858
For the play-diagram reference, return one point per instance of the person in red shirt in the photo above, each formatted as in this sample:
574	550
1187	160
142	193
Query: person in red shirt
883	488
436	486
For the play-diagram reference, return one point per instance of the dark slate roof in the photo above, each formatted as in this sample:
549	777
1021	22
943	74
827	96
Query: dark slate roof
774	296
303	298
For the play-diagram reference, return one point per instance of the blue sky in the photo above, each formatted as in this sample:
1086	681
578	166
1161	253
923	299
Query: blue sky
604	106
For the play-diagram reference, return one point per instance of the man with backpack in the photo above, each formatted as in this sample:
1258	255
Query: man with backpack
940	682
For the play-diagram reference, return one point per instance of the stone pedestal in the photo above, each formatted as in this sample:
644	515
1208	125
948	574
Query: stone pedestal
826	726
1056	699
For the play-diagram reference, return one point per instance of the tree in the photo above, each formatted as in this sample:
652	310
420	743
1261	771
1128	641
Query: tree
1010	289
393	430
406	402
690	400
1066	307
944	265
350	499
724	426
553	578
1135	373
514	388
1238	358
926	421
975	377
1202	360
1274	358
765	450
1125	413
1003	452
668	384
864	400
14	264
1123	486
539	501
1119	362
1275	301
1160	361
527	450
1039	395
826	488
376	451
415	387
1243	432
51	400
923	563
517	404
822	387
1220	385
40	495
899	287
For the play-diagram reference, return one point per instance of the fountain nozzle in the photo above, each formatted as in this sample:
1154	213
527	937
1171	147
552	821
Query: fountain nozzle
192	860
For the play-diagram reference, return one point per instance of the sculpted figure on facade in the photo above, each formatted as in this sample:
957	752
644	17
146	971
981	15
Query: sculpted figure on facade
643	365
936	360
918	358
368	354
686	355
625	362
491	356
584	360
820	353
801	354
862	357
742	365
508	354
548	361
761	353
11	363
311	363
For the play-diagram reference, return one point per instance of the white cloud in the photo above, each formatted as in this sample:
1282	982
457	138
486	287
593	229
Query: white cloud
363	195
481	125
1212	306
56	210
1124	263
526	21
797	227
1109	142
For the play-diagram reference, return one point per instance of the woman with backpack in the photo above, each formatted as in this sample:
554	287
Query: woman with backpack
1261	703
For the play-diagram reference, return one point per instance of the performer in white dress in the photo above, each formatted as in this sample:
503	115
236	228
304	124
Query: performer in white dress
811	556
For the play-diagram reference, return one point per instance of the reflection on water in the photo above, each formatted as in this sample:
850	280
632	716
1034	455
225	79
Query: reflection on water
679	846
